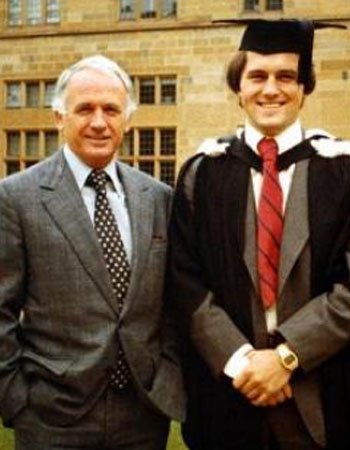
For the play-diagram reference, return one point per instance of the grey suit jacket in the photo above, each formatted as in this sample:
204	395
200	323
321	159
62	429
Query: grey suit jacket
58	314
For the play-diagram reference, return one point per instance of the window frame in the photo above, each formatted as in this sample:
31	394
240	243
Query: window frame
158	97
33	12
127	10
43	100
9	102
262	5
23	159
16	11
271	5
134	156
147	93
147	9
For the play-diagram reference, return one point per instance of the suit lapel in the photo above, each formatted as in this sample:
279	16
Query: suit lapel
62	200
296	228
141	212
250	242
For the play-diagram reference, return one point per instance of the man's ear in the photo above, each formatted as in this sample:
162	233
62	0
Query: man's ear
302	95
58	117
127	126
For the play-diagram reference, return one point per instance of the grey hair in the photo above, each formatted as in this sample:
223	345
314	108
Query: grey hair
101	64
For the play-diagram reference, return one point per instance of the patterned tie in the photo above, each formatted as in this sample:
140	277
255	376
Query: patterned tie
270	224
116	261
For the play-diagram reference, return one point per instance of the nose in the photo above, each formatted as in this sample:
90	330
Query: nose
271	86
98	120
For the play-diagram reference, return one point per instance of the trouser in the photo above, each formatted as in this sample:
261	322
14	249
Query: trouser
279	428
286	431
118	420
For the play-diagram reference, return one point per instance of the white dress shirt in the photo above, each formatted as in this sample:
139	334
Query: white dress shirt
115	195
290	137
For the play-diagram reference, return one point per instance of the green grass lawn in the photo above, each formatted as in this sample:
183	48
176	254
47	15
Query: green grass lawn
175	441
6	439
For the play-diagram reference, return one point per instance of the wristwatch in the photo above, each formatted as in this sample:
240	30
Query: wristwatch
288	358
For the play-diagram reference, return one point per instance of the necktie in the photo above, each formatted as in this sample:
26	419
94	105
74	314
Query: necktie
270	224
116	261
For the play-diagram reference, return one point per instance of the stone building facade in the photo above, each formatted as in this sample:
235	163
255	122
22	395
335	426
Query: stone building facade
177	58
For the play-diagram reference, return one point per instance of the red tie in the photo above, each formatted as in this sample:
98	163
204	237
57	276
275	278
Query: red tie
270	224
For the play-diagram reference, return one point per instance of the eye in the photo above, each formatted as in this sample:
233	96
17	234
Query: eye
112	110
83	109
257	76
287	77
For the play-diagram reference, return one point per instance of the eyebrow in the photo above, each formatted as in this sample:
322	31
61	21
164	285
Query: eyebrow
288	71
113	105
278	72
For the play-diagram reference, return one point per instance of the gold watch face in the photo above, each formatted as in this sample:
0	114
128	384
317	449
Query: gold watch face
289	359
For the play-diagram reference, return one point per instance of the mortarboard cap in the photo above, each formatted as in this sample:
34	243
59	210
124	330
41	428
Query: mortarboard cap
281	36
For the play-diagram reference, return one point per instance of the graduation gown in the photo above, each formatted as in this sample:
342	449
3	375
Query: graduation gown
214	289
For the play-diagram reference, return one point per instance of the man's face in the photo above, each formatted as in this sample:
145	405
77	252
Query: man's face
94	123
269	91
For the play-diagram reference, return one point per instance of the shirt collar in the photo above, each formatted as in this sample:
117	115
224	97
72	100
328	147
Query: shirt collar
290	137
81	170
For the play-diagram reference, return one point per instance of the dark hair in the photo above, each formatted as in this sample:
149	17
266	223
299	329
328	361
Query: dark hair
237	65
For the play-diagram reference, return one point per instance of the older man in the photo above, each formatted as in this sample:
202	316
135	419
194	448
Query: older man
87	355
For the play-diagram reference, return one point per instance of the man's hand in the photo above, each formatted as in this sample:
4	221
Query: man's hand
264	381
284	394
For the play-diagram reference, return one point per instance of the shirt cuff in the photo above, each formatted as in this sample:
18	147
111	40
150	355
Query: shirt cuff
238	361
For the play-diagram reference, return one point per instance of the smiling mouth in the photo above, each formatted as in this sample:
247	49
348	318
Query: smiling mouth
274	105
98	138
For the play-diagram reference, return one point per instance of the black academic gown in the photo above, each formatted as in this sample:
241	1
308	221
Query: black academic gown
207	259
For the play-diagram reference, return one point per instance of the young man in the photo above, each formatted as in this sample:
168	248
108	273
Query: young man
259	265
87	355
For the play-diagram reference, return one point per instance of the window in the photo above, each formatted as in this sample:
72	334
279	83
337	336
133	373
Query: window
15	12
167	172
147	9
32	95
29	94
33	12
262	5
127	9
13	96
26	147
159	90
147	166
167	141
147	91
49	90
128	144
147	141
274	5
251	5
32	144
152	150
168	90
13	143
53	11
50	142
12	167
169	8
